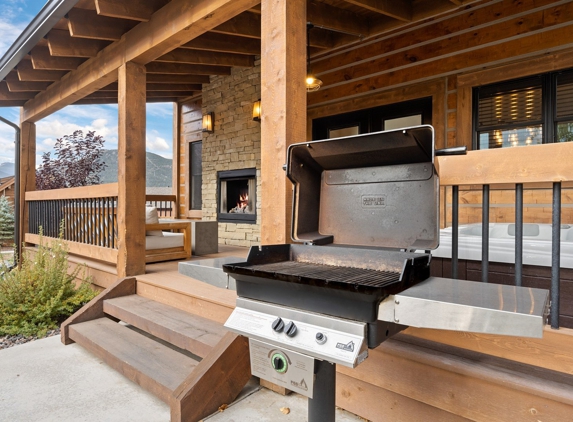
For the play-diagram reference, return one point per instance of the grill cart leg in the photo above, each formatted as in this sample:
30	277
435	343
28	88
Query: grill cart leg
321	408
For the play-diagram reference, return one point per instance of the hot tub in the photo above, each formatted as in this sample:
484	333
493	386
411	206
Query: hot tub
536	243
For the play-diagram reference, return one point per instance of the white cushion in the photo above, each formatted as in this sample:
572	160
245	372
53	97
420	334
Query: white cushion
151	217
168	240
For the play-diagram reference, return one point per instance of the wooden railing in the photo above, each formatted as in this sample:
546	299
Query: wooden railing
86	215
165	204
513	168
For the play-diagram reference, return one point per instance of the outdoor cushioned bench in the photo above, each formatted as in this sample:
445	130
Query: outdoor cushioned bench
166	239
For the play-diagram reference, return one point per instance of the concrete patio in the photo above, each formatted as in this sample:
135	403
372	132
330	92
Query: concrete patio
47	381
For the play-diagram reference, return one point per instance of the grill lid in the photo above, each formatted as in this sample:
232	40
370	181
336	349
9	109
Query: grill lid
378	189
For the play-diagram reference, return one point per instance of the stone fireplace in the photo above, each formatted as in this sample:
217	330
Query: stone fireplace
237	196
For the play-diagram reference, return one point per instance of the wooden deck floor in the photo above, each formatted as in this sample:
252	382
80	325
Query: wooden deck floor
163	282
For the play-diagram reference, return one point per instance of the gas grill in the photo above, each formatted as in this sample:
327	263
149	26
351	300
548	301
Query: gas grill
363	206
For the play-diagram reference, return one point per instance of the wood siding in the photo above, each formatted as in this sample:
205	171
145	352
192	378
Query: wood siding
189	130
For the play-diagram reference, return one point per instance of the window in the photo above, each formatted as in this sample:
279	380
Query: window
195	175
392	116
529	111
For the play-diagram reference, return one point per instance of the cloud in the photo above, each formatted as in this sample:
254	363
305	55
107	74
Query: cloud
162	110
158	145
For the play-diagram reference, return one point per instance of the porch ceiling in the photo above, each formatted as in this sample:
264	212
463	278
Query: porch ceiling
94	25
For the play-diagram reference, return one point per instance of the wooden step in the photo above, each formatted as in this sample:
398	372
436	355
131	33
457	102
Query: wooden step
155	367
184	330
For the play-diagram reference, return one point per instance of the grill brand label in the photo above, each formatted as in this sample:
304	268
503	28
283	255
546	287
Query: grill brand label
349	347
301	384
373	201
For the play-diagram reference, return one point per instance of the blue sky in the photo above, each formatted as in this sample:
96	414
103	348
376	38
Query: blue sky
14	17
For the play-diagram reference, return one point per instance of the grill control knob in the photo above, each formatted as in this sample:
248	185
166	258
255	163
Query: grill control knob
290	329
320	338
278	325
279	363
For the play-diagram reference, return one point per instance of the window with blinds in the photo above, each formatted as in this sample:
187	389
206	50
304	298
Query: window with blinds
524	112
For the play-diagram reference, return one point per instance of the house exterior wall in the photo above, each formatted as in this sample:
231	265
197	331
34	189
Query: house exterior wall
234	144
484	43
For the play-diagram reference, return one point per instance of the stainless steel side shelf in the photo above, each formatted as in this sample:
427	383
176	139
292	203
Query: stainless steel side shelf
470	306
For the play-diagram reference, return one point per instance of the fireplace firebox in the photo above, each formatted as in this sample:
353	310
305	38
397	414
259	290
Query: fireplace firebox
237	196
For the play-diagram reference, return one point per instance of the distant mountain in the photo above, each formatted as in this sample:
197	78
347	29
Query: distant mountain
158	172
6	170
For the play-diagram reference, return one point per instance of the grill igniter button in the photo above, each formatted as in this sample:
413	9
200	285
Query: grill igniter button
279	363
320	338
290	329
278	325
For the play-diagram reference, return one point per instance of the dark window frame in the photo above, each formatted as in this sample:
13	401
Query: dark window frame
549	121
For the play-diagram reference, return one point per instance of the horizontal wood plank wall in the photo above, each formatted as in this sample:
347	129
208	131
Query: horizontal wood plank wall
190	130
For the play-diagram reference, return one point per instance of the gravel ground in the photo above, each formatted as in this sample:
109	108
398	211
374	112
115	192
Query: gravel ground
10	341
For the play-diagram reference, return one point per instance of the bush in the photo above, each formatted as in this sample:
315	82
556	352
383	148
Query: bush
38	296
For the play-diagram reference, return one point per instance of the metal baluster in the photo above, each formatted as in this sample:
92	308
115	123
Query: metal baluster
485	235
555	254
455	227
518	233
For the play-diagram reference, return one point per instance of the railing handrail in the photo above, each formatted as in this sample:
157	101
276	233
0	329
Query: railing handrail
160	198
84	192
530	164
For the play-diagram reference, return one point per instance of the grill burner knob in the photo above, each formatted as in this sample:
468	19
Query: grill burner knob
320	338
290	329
278	325
279	363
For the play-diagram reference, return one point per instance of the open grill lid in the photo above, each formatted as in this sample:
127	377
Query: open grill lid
377	190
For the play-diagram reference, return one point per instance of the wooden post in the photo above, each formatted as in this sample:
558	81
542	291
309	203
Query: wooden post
283	101
131	170
27	174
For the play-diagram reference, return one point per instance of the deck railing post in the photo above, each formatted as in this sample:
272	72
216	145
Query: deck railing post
555	254
485	234
518	233
455	230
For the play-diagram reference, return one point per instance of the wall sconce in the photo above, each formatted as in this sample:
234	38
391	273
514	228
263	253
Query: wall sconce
208	119
257	111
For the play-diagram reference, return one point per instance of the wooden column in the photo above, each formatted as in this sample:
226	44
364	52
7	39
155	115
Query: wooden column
283	103
27	174
131	170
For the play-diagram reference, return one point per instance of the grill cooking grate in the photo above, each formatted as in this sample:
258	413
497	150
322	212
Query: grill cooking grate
328	273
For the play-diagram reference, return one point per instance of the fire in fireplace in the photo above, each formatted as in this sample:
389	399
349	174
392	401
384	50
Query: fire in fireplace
237	196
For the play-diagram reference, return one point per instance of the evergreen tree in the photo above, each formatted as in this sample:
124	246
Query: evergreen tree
6	220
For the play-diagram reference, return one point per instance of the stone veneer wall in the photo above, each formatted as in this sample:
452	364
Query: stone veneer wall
234	144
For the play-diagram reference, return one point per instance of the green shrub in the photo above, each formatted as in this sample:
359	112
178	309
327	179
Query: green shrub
6	221
41	294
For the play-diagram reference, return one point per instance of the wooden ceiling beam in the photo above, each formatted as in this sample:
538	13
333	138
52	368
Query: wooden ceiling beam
136	10
143	44
245	25
88	24
177	79
114	100
329	17
186	69
61	44
149	94
397	9
158	87
182	55
224	43
173	87
26	72
6	95
15	85
43	60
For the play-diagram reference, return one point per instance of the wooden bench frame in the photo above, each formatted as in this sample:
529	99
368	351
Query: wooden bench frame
168	254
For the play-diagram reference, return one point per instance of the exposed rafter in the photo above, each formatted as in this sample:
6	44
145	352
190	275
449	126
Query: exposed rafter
136	10
26	72
61	44
43	60
88	24
397	9
224	43
245	25
177	79
324	15
5	93
15	85
186	69
181	55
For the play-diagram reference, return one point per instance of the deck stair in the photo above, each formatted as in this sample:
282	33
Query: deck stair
191	363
